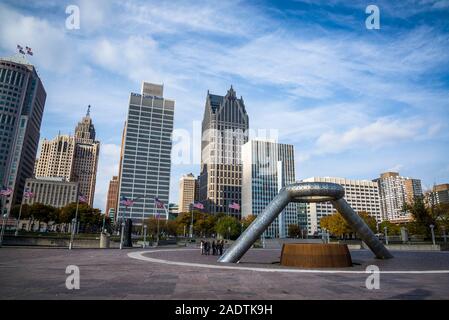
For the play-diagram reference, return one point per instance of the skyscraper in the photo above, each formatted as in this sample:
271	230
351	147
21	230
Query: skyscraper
439	194
22	102
224	131
56	158
268	166
87	151
74	158
362	196
112	199
145	167
396	191
187	188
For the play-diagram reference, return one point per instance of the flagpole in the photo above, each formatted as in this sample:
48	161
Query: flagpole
157	236
3	225
18	220
191	223
76	219
166	215
122	228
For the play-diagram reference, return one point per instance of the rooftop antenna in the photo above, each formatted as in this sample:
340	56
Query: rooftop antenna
88	111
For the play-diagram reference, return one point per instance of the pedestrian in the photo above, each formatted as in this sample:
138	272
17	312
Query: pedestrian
208	248
205	247
214	248
202	247
221	247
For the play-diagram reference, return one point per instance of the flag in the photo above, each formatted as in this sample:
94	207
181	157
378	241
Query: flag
28	194
235	206
5	192
82	198
198	205
159	203
29	51
126	202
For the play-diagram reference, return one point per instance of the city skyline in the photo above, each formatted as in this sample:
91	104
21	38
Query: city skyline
351	110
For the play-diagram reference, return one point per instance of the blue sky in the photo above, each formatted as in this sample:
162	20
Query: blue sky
354	102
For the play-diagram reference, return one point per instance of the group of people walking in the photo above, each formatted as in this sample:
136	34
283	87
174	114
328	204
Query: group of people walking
217	247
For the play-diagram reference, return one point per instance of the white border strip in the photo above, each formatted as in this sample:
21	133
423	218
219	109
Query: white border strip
139	256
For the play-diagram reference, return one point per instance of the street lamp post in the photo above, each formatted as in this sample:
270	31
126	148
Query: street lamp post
144	235
157	233
263	240
444	234
104	221
191	222
122	228
74	221
433	233
5	217
386	235
18	220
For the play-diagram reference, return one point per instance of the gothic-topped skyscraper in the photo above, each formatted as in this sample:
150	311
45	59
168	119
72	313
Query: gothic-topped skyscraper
74	158
85	130
87	151
224	131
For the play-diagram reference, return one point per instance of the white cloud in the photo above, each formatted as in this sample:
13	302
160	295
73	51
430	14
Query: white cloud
52	48
222	17
396	168
378	134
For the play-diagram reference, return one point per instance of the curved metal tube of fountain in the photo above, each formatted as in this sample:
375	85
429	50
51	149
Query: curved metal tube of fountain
304	192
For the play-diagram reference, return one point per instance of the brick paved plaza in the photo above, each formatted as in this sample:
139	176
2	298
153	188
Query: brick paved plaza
169	273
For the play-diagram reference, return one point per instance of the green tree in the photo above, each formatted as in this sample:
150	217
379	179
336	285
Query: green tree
42	213
369	220
204	224
200	222
25	211
441	216
335	224
294	231
392	229
90	218
228	227
247	220
422	217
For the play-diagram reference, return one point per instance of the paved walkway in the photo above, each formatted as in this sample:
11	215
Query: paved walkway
31	273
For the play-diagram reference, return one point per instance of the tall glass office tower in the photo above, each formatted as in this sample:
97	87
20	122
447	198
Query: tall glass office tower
22	101
224	131
145	165
268	166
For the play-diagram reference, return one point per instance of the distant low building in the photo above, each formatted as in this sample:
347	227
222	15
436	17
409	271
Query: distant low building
438	195
362	196
112	199
56	192
173	211
396	191
187	187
